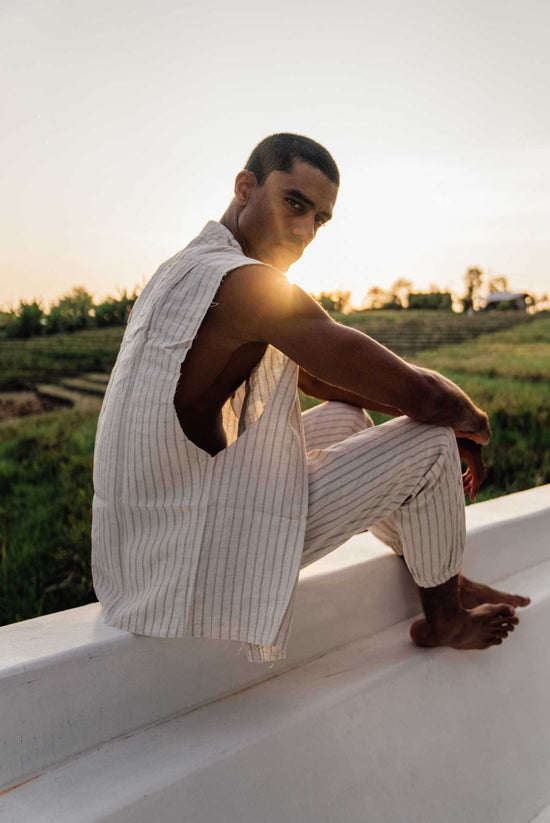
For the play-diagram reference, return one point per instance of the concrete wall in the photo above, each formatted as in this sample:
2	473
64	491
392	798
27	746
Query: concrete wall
356	724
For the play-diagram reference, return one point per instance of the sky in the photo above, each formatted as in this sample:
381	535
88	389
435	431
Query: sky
126	121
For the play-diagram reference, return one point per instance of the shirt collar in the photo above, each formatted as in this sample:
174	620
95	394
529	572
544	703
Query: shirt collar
215	232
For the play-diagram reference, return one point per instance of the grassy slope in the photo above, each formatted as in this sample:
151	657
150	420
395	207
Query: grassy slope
24	363
521	352
45	514
46	461
507	374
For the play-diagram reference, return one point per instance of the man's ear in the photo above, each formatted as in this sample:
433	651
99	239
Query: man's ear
245	182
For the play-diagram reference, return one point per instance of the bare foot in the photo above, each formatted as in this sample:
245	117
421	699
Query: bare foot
474	594
478	628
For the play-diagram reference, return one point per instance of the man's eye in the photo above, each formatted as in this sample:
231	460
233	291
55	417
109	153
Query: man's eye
294	203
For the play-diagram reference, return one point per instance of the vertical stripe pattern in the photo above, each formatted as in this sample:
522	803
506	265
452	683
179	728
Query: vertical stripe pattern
400	480
183	543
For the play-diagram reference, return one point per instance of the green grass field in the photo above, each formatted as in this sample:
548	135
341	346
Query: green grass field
45	513
24	363
508	375
46	460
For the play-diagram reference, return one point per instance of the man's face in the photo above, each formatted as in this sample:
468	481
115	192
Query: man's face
281	217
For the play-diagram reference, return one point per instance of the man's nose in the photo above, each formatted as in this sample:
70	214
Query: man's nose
304	229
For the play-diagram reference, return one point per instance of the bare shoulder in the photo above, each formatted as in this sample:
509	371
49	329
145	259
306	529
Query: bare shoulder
253	283
256	299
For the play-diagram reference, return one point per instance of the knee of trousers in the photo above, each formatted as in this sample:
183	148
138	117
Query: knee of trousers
443	437
448	442
357	417
446	447
434	452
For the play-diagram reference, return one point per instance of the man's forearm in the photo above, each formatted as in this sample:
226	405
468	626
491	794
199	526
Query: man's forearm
314	387
419	393
453	408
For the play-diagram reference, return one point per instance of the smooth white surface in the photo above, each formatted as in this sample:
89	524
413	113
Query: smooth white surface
69	683
376	731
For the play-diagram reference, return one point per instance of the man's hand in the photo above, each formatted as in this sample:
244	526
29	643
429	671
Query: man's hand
482	436
474	475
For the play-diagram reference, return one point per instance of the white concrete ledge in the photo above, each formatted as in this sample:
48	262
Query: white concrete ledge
68	683
374	731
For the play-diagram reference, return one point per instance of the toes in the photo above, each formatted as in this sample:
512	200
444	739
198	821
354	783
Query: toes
518	600
504	621
497	633
505	611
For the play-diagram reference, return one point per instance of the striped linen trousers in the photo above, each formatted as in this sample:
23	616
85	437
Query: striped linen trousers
400	480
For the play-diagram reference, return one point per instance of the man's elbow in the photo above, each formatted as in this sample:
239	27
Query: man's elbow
305	382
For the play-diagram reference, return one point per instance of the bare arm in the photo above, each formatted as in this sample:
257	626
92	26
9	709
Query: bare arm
261	305
314	387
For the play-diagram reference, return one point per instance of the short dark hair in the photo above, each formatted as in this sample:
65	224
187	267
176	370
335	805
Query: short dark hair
278	152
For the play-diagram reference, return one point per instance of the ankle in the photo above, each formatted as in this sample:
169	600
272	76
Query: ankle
441	604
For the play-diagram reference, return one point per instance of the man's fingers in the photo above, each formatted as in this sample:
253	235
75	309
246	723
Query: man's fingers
477	468
481	438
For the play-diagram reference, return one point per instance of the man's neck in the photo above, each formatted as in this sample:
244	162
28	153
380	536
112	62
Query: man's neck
230	219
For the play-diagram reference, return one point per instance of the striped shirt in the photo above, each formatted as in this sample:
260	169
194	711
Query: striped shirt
183	543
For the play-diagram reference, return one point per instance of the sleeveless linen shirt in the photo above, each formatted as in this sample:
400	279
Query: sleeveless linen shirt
183	543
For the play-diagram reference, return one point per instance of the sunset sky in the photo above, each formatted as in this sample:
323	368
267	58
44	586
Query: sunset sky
125	124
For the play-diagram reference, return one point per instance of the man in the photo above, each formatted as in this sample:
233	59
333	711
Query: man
212	490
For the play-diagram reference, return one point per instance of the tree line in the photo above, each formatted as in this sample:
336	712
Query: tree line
75	310
401	295
78	309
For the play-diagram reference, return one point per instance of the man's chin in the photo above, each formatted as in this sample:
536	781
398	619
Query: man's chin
282	262
286	261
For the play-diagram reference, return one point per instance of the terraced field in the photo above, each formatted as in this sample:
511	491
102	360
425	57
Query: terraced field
408	332
59	359
26	363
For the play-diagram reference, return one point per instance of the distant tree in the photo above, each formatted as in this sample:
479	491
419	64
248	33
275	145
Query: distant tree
335	301
71	312
400	291
472	281
498	284
376	298
341	300
541	302
114	311
393	303
437	300
25	321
